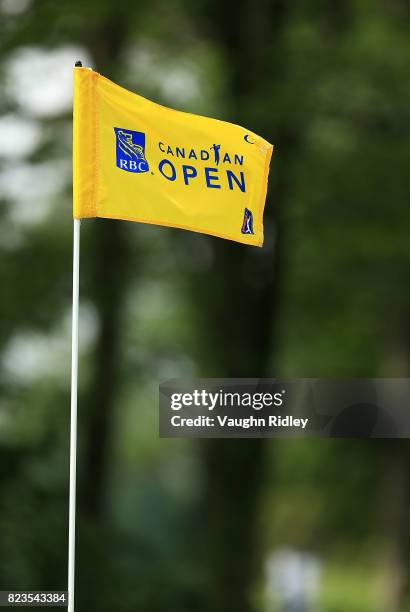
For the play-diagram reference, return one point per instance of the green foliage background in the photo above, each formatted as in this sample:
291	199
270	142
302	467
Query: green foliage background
174	524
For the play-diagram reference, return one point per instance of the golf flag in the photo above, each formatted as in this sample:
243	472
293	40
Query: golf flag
138	161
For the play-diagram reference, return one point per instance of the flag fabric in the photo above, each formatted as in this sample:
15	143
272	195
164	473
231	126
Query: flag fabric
136	160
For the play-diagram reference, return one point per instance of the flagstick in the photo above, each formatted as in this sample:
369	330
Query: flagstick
73	426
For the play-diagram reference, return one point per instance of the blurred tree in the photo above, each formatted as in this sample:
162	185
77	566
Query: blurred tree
237	300
111	261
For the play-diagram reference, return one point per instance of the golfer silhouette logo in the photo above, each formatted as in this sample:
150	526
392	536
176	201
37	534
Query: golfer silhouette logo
247	225
216	149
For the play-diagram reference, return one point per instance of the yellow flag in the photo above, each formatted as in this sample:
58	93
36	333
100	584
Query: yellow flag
139	161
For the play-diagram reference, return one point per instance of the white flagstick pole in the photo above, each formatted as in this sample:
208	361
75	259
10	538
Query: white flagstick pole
73	426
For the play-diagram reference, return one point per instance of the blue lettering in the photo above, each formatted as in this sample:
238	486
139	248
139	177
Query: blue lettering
210	178
238	160
204	155
192	154
241	183
169	151
173	171
161	146
180	152
226	158
189	172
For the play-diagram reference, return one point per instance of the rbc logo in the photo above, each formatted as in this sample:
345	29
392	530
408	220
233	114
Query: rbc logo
247	225
130	150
